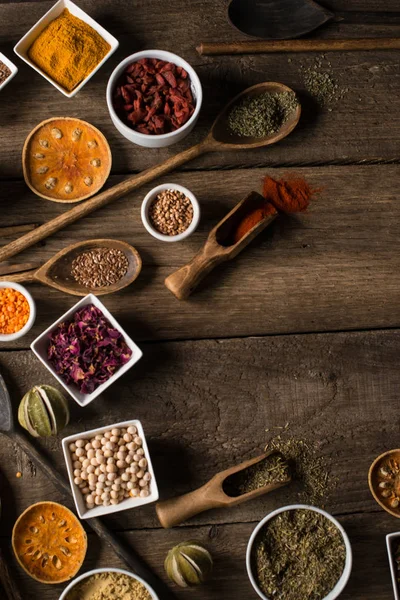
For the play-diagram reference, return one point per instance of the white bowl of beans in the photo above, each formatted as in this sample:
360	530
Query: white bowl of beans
109	469
170	212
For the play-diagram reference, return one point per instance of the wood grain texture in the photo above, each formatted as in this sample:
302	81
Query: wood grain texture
353	130
335	267
205	406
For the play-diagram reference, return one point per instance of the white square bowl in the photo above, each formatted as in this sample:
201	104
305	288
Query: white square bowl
40	345
99	511
390	539
22	47
12	68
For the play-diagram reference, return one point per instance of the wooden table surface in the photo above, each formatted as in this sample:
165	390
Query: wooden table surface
302	328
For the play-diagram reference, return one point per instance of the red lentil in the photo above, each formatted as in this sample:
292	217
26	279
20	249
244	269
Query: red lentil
14	311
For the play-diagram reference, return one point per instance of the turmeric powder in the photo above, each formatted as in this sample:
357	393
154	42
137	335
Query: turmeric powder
67	50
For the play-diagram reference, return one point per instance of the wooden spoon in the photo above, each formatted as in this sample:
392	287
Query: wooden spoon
211	495
277	19
219	138
56	272
217	248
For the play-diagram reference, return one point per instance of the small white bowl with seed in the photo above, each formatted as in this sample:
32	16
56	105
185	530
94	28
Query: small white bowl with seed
170	212
109	469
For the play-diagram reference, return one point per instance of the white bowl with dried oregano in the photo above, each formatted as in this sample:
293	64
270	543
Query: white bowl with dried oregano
112	583
296	549
170	212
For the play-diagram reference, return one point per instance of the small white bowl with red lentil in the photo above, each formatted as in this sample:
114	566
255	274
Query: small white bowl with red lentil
17	311
170	212
154	98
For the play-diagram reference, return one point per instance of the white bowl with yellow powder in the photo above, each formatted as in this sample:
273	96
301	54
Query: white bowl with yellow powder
68	68
109	584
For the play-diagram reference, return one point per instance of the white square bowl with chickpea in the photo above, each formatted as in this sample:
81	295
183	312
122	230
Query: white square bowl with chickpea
109	469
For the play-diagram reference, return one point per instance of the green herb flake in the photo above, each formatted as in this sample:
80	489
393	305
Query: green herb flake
298	555
262	115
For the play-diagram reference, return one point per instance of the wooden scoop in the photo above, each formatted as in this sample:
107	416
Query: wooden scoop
219	138
56	272
211	495
217	248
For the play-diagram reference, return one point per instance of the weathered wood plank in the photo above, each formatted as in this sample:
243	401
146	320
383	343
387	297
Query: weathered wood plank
333	268
371	78
370	578
206	406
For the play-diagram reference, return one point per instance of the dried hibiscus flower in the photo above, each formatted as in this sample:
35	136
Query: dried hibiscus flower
87	350
154	96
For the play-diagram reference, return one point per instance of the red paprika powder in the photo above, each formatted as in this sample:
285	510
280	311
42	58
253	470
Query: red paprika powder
289	196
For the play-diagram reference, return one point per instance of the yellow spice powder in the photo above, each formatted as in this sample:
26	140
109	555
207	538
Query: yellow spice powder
67	50
109	586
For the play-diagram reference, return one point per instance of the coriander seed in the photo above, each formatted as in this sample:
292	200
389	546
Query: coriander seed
171	212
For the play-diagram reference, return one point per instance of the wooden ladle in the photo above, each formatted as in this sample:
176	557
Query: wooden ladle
277	19
56	272
211	495
218	248
219	138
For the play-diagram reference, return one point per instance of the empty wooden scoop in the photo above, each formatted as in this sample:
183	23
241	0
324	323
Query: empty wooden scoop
218	248
56	272
211	495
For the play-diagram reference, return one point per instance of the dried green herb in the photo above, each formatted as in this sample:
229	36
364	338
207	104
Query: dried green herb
320	82
307	466
262	115
298	555
273	469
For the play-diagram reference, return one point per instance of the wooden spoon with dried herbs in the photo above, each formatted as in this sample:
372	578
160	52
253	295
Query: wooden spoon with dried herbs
250	479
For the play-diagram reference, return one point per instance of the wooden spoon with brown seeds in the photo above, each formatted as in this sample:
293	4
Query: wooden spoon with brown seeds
56	272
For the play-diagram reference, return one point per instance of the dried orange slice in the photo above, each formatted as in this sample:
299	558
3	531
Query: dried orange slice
49	542
66	160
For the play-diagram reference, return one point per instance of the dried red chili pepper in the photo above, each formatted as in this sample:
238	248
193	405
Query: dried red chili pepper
154	96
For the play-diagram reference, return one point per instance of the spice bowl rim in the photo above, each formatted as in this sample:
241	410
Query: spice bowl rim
80	578
39	346
13	68
127	503
10	337
375	462
389	538
150	197
22	46
340	584
164	139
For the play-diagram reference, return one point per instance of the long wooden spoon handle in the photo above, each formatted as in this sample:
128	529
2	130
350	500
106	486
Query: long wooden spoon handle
20	277
174	511
117	191
7	582
185	280
258	47
127	554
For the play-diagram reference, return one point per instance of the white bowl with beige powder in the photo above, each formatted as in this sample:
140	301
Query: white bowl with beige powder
97	583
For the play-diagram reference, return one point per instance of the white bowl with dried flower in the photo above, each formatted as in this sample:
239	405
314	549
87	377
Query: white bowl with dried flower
109	469
7	70
170	212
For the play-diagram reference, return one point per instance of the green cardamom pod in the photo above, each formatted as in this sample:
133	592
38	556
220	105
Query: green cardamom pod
188	564
43	411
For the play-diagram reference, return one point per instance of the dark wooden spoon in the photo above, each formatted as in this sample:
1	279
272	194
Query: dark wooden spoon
277	19
8	585
220	138
125	553
56	272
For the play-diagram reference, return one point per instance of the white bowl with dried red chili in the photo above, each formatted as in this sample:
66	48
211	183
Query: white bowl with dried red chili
172	98
152	196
